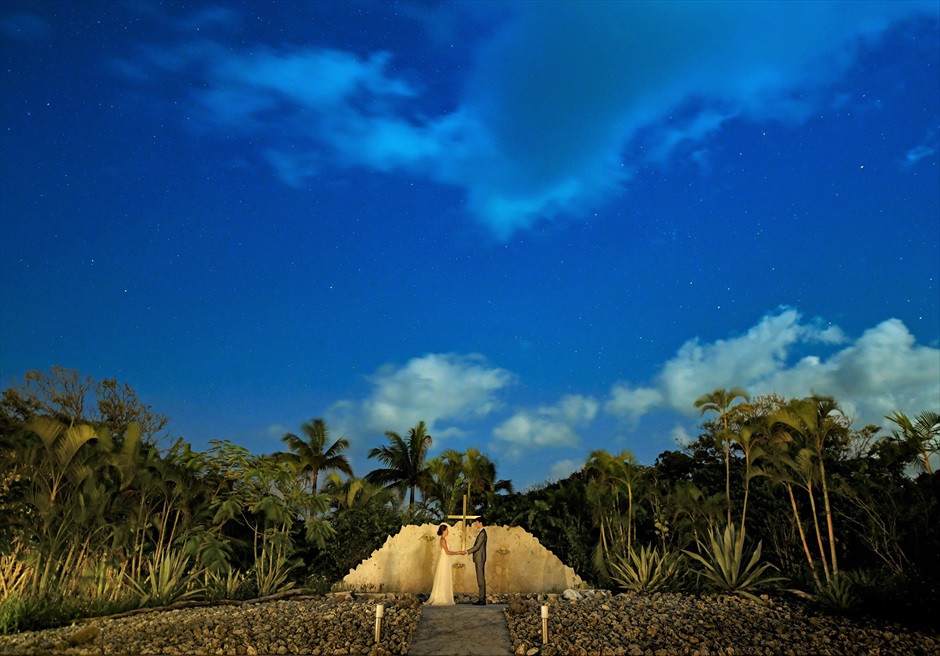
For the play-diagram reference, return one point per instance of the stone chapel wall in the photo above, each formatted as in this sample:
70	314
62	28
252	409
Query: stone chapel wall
515	562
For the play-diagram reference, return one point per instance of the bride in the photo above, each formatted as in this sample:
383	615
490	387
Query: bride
442	592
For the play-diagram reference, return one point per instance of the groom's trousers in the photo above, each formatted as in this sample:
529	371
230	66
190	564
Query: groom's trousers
481	576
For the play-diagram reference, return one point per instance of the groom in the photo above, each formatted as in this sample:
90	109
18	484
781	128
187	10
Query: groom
479	560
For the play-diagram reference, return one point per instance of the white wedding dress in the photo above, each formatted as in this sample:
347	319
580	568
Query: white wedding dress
442	592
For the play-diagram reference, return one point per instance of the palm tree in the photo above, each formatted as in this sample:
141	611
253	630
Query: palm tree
784	470
923	434
404	460
444	481
684	501
604	473
352	492
316	454
56	470
750	439
480	474
816	424
720	400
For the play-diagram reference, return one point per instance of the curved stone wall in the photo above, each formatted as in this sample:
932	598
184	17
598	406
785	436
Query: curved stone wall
515	562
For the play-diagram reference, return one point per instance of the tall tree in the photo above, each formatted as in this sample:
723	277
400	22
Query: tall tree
316	454
785	469
922	435
405	460
750	439
444	481
722	401
606	475
68	397
479	472
816	424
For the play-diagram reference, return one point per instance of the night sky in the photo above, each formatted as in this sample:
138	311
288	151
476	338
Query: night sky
542	228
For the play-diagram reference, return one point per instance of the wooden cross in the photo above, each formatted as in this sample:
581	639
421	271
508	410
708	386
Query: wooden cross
463	520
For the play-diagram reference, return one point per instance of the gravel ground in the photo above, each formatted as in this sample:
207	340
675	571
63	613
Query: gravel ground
631	625
674	624
317	626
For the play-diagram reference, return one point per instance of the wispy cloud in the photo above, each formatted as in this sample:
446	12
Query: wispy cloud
562	97
275	432
881	371
25	27
563	90
926	148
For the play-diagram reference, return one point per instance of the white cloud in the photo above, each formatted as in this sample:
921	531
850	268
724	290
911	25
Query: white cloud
632	403
563	469
755	356
277	431
882	371
435	388
546	426
681	436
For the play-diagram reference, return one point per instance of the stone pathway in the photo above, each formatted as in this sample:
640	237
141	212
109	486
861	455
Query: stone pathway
462	630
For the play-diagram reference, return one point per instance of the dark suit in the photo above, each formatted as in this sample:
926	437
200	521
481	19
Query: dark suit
479	560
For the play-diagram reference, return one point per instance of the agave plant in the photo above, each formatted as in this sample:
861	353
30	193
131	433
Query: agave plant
646	570
724	564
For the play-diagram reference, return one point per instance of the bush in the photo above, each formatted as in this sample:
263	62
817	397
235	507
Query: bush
12	614
359	532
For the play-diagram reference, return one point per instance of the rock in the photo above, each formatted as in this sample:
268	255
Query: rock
84	635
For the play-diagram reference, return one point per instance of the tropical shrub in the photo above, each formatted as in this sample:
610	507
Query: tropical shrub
231	585
838	594
363	530
40	592
272	570
167	579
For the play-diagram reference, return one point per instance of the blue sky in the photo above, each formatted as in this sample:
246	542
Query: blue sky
542	228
